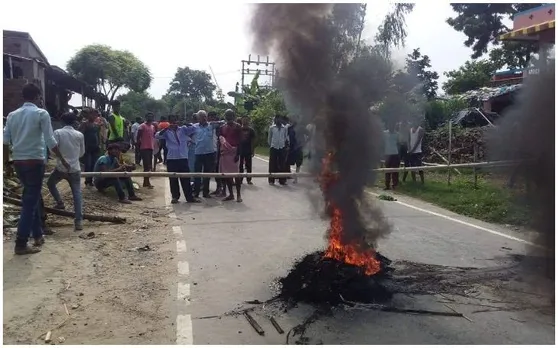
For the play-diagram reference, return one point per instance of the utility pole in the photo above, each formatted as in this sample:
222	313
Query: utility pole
247	68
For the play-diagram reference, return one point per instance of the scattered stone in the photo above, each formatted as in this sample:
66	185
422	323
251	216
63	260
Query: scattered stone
48	337
75	306
80	294
89	235
143	248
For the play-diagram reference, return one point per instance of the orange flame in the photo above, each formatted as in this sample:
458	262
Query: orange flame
347	253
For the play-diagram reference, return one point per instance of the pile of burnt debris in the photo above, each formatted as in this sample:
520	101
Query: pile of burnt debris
316	279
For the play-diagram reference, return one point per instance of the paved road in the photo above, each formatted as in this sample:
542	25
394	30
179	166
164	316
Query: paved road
235	251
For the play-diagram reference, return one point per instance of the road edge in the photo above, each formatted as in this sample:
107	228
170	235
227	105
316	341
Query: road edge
446	215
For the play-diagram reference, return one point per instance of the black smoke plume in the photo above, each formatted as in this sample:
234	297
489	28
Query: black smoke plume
527	135
300	39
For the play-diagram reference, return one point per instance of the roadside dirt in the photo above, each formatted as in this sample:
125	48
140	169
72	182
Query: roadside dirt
101	290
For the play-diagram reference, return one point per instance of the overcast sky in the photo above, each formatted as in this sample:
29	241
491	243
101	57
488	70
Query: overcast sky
171	34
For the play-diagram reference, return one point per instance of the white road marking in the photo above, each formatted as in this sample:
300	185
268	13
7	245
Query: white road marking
184	334
183	292
167	195
177	231
183	268
181	246
465	223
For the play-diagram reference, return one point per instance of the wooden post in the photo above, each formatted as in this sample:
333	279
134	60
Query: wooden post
449	153
11	67
475	159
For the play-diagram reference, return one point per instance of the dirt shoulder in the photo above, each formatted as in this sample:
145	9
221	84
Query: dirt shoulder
100	290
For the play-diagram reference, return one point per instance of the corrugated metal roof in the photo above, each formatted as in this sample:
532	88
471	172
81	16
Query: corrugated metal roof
487	93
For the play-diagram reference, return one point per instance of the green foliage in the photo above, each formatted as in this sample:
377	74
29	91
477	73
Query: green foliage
191	84
393	31
482	23
262	116
347	21
137	104
438	112
419	65
471	75
109	70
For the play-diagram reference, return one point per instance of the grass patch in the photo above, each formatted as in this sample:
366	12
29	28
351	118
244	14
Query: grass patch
490	201
262	151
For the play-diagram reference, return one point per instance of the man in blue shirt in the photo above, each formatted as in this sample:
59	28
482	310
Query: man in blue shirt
176	139
110	163
205	151
28	129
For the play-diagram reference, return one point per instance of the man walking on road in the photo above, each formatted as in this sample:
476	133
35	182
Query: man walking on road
176	139
92	137
72	146
146	141
28	130
247	146
277	139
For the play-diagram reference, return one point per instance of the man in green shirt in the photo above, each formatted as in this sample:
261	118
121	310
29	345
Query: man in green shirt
116	124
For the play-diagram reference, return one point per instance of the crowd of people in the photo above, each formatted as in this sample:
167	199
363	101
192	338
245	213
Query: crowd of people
92	141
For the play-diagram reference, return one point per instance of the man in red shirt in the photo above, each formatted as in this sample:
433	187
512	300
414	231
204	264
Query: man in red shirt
231	133
146	141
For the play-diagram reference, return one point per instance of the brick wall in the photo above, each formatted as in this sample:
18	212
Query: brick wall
12	94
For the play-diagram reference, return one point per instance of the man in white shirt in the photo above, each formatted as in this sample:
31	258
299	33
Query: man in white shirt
72	146
278	140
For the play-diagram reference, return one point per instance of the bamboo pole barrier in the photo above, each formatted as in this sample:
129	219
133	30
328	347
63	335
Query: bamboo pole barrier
279	175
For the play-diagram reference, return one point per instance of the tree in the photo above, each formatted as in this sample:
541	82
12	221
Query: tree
191	84
471	75
137	104
418	65
482	23
348	21
109	70
392	31
270	104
